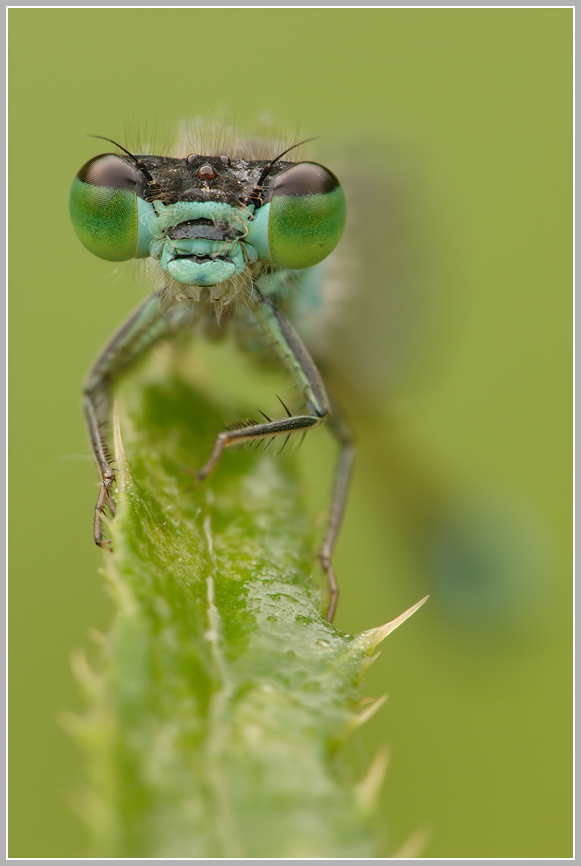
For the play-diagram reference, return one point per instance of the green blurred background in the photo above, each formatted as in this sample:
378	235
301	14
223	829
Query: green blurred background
466	115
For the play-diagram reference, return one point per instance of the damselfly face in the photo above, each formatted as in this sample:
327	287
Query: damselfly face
206	219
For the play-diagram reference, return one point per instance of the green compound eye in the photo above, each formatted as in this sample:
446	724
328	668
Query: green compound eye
307	216
107	208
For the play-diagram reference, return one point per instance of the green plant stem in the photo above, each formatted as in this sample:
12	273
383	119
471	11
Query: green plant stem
223	695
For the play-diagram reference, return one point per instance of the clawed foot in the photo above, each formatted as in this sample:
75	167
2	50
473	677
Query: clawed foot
201	474
104	501
197	476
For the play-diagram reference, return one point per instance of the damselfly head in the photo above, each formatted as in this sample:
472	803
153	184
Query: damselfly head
208	218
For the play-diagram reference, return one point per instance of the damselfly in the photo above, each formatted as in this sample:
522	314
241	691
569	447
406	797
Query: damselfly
221	228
